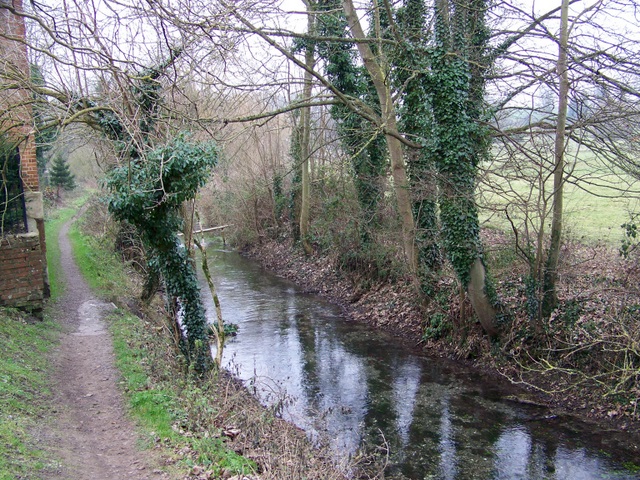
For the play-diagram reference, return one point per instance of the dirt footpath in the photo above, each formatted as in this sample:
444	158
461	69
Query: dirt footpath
91	433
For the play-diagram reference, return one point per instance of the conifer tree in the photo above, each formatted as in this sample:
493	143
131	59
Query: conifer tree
61	176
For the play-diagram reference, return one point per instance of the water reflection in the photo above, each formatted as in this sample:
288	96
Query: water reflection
405	389
344	383
513	454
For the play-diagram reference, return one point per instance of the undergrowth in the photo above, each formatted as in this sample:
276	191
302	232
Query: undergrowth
171	407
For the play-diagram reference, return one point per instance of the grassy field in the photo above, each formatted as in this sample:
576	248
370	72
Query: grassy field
597	199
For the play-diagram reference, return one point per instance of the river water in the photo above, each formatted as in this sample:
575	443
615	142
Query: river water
347	385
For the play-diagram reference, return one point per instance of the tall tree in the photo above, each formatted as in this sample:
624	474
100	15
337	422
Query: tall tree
412	80
460	141
149	194
359	138
296	180
305	134
550	299
378	68
570	114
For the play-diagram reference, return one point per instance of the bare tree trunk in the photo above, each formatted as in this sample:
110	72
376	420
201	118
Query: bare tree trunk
188	212
218	327
550	299
305	150
387	108
479	299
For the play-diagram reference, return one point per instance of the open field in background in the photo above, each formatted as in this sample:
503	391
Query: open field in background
598	199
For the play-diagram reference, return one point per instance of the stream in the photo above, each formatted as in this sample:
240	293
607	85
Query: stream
348	385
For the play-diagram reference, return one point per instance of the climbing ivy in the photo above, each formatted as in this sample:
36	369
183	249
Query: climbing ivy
411	76
148	194
295	194
460	141
279	198
365	146
147	191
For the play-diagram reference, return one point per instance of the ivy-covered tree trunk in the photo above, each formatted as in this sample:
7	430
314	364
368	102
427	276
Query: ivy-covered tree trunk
424	190
149	193
378	76
364	145
411	76
461	142
295	193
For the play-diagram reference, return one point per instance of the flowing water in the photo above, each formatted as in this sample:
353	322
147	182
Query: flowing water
348	385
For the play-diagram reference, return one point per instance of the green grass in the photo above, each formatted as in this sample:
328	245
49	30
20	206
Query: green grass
52	227
24	391
595	204
152	407
25	370
101	268
162	409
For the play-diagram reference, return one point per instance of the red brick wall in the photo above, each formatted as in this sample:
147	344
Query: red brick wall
21	271
23	277
16	116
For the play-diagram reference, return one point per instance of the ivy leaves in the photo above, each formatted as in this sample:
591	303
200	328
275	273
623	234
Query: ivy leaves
159	184
148	193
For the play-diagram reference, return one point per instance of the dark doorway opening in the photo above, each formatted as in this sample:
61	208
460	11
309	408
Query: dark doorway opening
13	212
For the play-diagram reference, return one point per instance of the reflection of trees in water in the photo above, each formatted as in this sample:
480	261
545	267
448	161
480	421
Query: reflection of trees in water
334	384
444	439
513	454
349	383
380	416
405	388
448	465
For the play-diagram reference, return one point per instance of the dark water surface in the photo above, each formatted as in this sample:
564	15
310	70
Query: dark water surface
345	383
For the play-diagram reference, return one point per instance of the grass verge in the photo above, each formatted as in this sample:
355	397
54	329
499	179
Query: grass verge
170	407
52	227
207	428
156	406
24	391
102	270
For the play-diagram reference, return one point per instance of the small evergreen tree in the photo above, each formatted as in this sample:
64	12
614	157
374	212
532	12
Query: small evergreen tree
61	176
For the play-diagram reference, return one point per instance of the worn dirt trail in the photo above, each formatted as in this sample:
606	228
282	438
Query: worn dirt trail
91	433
